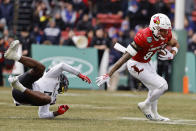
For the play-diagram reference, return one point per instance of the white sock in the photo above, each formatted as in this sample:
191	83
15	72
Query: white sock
154	107
19	86
147	101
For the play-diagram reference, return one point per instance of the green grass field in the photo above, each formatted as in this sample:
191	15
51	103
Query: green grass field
100	111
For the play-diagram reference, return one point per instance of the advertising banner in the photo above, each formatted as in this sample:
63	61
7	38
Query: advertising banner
85	60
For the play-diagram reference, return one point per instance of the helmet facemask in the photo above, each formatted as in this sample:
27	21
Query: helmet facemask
63	84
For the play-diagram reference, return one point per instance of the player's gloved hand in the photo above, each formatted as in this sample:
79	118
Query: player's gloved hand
102	79
168	55
62	109
84	78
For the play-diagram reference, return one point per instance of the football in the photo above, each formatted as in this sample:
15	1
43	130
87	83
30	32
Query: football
162	52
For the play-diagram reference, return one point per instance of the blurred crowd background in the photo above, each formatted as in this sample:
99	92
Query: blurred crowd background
102	22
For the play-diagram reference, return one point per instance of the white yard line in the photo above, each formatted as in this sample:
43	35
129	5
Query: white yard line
171	122
112	95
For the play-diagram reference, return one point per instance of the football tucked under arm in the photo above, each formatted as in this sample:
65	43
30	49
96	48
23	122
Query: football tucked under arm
165	54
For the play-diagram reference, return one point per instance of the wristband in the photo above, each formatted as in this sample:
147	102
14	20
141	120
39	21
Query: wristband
175	49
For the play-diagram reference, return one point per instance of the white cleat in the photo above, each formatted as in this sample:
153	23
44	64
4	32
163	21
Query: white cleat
12	51
160	118
146	110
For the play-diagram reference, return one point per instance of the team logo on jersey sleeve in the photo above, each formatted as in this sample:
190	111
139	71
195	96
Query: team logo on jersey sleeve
149	39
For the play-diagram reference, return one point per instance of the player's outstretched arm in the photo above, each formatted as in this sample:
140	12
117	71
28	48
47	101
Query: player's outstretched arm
130	51
105	78
119	63
44	111
58	69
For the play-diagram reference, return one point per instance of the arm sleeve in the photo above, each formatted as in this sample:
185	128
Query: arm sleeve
58	69
44	112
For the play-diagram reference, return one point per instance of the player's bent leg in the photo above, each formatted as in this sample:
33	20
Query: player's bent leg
28	96
37	68
37	98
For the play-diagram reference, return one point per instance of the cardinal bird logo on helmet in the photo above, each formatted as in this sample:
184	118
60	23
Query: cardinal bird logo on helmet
157	20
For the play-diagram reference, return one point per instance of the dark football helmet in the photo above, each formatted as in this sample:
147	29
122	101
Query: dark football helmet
64	83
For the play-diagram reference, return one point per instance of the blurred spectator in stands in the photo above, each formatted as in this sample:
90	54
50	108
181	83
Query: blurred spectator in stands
133	13
7	11
171	4
100	42
68	15
97	24
4	28
84	24
26	42
109	6
90	35
131	37
115	6
4	63
124	32
69	41
125	4
3	25
162	7
41	14
36	35
2	50
80	6
53	6
189	7
101	6
189	28
145	12
59	21
112	32
8	64
192	45
51	34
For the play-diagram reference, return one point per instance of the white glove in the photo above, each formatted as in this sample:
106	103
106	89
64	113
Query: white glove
102	79
168	55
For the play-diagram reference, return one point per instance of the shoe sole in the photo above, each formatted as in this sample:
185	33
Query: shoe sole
10	48
15	43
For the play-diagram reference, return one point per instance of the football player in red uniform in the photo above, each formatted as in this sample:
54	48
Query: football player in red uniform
138	57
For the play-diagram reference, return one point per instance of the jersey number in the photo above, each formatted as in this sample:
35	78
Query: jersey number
148	55
48	93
